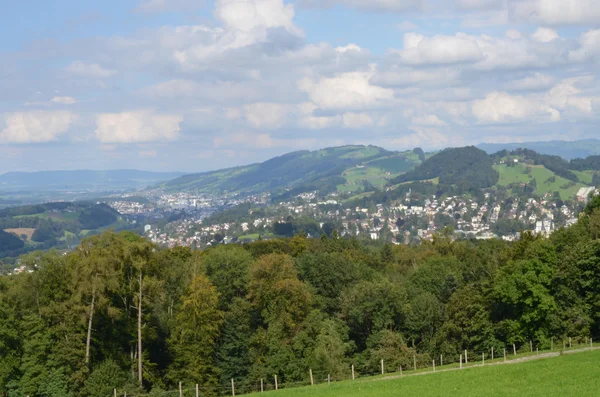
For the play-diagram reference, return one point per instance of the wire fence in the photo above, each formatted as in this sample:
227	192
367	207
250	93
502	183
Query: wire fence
421	364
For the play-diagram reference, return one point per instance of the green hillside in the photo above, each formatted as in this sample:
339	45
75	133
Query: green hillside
345	169
545	180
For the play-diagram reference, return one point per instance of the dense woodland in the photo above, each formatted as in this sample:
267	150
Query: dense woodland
118	312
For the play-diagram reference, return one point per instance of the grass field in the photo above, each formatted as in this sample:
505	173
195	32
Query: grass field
565	375
585	176
22	231
542	176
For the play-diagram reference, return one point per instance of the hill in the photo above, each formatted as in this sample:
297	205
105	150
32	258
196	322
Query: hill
83	179
52	225
469	168
565	149
346	168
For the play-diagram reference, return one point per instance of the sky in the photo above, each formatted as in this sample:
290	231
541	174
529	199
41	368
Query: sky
196	85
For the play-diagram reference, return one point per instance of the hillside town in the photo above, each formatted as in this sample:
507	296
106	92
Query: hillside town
408	221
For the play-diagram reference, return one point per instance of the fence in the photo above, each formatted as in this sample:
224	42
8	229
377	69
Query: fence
463	360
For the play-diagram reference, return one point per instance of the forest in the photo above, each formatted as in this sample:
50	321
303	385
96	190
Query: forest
117	312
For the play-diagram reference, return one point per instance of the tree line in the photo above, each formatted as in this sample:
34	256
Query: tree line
118	312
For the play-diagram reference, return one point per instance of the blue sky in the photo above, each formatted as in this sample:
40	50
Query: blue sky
193	85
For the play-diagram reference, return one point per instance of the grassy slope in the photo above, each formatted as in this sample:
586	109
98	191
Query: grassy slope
569	375
376	171
517	174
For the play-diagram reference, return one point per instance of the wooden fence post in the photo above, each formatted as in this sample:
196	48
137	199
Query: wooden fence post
197	391
401	370
482	358
441	360
433	365
180	390
466	357
312	382
232	388
570	344
262	388
415	362
276	385
382	369
551	343
537	351
328	379
530	346
591	344
352	371
504	354
492	353
514	349
115	392
461	361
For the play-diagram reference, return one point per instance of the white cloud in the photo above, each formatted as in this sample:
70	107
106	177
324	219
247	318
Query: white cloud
419	50
428	120
64	100
35	126
137	126
544	35
500	107
557	12
357	120
346	91
248	15
482	52
589	43
91	70
266	115
422	136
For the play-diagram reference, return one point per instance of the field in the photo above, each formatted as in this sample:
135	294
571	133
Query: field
542	176
22	231
565	375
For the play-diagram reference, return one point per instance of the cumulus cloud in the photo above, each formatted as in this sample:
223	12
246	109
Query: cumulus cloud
428	120
91	70
346	91
35	126
500	107
589	47
419	50
557	12
64	100
484	52
137	126
266	115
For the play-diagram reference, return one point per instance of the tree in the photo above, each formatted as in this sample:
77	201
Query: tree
228	268
192	343
329	354
96	275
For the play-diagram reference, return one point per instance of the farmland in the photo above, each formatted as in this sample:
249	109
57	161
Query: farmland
546	181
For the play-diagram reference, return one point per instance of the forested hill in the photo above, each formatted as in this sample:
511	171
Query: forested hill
325	170
120	313
469	168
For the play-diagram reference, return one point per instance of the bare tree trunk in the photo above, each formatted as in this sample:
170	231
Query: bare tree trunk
140	379
89	330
